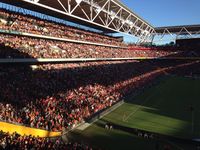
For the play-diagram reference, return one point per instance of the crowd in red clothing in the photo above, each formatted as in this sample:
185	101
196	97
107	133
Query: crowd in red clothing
40	48
15	141
13	46
153	48
26	23
24	47
55	98
154	51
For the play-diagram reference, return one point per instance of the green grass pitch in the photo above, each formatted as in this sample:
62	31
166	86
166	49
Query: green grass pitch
164	109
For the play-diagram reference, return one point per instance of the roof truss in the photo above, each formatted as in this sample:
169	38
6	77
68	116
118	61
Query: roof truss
110	15
177	32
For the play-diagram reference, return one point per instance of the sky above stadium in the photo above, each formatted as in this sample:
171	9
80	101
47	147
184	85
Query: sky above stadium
166	12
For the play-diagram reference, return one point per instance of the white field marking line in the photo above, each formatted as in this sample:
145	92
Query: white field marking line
89	124
139	107
174	145
83	127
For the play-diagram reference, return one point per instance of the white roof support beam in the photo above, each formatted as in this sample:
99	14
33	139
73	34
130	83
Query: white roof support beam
84	12
100	9
62	6
114	17
176	32
107	14
91	9
124	22
73	9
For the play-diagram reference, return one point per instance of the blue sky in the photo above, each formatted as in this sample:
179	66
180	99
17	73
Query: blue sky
166	12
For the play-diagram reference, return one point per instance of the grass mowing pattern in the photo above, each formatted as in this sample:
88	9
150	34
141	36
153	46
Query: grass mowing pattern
163	109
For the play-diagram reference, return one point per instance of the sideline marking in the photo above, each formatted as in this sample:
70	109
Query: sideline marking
140	106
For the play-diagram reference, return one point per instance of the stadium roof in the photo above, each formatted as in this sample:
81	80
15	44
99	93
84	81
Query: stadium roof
106	15
177	29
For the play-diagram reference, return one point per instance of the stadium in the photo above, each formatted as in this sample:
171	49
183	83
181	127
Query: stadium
68	83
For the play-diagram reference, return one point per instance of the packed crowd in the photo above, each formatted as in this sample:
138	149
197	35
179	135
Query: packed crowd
13	46
16	46
24	47
153	47
54	97
192	71
17	142
29	24
64	97
62	93
153	53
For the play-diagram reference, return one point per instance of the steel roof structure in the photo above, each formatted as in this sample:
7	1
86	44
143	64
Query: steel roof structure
106	15
184	29
178	32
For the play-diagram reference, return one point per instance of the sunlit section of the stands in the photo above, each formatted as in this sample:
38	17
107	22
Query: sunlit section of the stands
22	130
